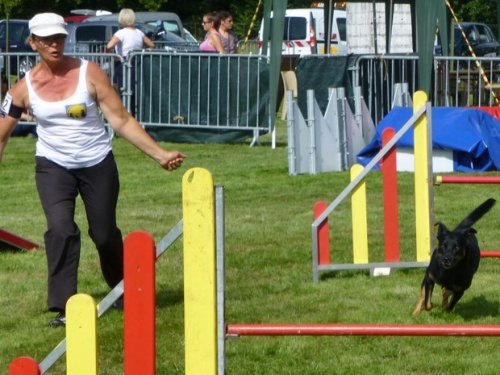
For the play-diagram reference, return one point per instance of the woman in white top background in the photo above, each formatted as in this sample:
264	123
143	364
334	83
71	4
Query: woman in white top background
74	155
125	40
128	38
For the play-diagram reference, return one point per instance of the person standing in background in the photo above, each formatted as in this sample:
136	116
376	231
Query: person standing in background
212	42
125	40
227	36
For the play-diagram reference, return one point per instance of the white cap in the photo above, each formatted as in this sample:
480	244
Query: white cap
47	24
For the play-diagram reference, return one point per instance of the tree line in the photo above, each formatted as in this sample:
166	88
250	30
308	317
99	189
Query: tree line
191	11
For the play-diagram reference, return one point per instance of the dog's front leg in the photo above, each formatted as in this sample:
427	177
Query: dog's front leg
420	303
448	305
425	295
429	288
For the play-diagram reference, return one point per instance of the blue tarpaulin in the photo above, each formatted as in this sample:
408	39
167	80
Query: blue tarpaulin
473	136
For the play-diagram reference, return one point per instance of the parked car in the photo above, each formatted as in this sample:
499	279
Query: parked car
14	35
92	37
481	38
170	21
304	32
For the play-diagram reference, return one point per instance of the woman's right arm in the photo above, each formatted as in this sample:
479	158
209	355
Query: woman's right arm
216	43
112	43
13	105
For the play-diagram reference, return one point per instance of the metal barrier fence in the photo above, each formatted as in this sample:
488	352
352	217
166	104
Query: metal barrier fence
100	47
200	91
179	90
13	66
457	81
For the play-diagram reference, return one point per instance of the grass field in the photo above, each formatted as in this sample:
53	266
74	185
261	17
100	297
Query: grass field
268	268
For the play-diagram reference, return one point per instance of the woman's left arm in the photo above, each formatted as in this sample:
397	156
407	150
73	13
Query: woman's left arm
124	123
148	42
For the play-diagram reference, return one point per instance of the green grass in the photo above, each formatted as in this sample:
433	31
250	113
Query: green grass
268	268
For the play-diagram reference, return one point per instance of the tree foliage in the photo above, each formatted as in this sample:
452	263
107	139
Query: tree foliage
191	11
475	10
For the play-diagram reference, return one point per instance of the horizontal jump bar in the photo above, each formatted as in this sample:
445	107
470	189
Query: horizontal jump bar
490	254
360	330
467	180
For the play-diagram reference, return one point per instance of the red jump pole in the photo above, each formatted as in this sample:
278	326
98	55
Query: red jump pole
360	330
323	234
139	304
490	254
390	191
467	180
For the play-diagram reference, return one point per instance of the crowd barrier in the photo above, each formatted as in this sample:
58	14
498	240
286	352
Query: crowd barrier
227	95
457	81
200	91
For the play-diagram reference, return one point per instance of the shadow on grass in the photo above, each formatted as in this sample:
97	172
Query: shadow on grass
169	297
478	307
342	274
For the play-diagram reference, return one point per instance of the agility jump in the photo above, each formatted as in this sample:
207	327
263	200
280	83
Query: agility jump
204	295
420	122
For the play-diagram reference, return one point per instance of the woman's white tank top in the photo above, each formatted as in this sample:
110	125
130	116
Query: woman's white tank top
70	132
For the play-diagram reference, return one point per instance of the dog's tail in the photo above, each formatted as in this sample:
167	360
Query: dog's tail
477	214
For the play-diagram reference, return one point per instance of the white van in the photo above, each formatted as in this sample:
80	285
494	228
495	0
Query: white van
304	32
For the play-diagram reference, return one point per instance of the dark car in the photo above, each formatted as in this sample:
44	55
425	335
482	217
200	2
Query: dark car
92	37
169	21
480	37
14	35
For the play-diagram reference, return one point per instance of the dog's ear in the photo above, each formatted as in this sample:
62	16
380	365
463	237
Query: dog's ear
442	231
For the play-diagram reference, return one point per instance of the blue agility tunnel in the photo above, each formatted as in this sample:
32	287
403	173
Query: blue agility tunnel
472	136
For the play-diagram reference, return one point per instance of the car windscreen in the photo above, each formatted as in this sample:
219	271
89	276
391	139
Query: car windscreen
17	32
170	26
90	33
341	26
485	34
295	28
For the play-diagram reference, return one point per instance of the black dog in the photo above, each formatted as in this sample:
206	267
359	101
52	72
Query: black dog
454	261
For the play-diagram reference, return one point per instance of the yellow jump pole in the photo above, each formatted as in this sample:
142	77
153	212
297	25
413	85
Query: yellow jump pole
81	335
423	179
359	220
200	304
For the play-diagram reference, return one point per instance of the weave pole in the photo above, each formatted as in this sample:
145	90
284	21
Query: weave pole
200	294
360	330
